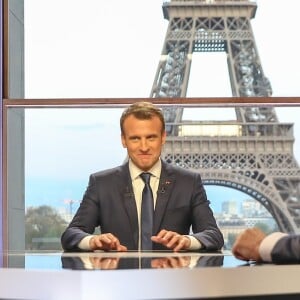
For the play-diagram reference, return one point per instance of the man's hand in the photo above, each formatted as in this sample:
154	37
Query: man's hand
172	240
106	241
246	246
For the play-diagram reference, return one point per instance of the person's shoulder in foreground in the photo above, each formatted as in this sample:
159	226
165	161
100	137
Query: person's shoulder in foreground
277	247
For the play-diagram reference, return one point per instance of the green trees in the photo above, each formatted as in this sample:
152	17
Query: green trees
43	228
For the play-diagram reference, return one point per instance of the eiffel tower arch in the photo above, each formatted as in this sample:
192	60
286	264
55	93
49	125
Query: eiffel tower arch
254	153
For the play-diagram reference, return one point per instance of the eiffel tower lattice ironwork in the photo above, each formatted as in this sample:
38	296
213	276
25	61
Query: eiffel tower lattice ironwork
254	153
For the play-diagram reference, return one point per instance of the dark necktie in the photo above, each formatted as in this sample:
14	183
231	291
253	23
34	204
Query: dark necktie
147	213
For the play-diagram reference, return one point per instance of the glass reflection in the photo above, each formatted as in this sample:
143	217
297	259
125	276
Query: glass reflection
96	261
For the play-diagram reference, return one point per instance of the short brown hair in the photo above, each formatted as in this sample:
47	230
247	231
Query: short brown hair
142	111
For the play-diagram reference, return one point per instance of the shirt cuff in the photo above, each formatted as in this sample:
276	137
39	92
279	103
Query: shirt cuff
195	244
84	244
267	245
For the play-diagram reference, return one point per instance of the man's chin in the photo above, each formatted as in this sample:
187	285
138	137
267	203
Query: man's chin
145	166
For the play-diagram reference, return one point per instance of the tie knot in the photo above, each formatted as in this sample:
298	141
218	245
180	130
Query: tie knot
146	177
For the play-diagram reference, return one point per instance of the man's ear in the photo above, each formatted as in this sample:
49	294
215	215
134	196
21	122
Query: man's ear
164	137
123	141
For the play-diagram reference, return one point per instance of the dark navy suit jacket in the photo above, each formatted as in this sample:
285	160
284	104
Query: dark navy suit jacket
287	250
109	203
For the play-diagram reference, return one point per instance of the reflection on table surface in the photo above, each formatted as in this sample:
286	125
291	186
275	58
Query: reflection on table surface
94	261
184	275
100	260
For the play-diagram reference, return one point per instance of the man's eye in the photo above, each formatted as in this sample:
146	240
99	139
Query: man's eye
134	139
152	138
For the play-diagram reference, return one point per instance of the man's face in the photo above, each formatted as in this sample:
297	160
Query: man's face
143	140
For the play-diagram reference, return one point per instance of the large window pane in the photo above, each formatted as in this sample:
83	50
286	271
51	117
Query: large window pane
64	146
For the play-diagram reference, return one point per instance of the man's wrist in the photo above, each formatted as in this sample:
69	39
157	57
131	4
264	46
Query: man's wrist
195	243
84	244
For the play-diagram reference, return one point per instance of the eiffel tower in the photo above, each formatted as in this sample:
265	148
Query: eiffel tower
252	154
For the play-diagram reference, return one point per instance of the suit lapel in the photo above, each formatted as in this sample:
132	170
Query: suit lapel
166	185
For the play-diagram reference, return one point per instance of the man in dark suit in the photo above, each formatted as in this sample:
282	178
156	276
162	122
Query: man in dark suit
113	197
277	247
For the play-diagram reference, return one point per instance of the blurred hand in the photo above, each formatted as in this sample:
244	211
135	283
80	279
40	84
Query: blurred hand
246	246
106	263
170	262
172	240
106	241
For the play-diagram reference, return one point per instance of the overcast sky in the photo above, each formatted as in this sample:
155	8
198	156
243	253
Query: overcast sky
93	48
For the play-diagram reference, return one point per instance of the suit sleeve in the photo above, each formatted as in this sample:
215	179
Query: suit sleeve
204	224
287	249
84	221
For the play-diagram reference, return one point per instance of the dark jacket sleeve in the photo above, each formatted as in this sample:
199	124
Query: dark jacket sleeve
188	205
84	221
287	250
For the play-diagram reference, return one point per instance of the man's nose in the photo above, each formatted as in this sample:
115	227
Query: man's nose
144	144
